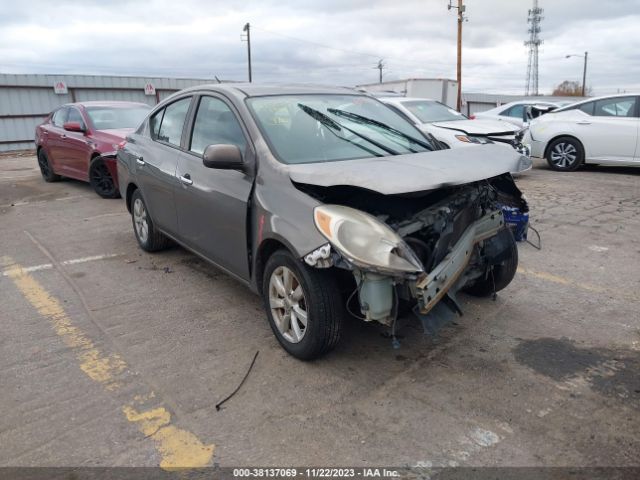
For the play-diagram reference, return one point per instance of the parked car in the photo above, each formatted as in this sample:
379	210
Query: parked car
452	128
599	131
73	137
513	112
323	200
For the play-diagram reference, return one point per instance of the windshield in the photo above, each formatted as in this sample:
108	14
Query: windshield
429	111
107	118
327	128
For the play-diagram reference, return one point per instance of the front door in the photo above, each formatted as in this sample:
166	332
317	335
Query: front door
212	204
611	133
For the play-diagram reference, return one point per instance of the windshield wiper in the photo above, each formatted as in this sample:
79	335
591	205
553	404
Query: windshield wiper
332	124
370	121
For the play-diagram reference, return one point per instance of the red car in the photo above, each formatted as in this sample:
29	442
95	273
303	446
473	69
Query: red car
72	139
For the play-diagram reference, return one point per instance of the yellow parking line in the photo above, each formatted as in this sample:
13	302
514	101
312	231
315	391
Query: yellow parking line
550	277
178	448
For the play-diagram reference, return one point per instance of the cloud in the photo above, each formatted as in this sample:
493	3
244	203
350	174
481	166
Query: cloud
417	38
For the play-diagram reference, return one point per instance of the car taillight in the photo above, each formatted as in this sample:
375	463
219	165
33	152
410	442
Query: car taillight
122	144
472	117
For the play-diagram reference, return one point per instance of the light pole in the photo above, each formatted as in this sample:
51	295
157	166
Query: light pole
584	72
247	29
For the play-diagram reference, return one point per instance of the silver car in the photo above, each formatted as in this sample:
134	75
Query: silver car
325	202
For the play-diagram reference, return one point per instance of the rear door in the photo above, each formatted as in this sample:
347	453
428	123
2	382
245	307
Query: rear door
212	204
55	141
156	159
609	131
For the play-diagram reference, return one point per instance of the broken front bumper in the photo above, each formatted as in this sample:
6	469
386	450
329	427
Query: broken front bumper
431	288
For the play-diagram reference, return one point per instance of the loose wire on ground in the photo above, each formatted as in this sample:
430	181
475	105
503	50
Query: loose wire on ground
219	404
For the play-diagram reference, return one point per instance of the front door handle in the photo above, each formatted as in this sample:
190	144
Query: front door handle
63	136
186	179
140	161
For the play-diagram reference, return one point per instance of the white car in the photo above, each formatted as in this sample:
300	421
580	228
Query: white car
450	127
603	131
513	112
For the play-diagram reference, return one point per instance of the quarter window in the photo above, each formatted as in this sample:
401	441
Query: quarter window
616	107
215	124
586	108
166	126
59	117
516	111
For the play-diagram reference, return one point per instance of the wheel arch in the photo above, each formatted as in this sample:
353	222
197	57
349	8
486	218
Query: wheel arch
132	187
267	248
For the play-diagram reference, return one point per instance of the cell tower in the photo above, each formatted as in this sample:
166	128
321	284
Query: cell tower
534	20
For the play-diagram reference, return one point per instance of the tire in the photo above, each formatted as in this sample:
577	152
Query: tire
45	167
149	238
318	298
497	277
101	180
565	154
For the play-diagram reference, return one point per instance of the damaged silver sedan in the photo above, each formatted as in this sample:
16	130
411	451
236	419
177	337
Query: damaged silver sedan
325	202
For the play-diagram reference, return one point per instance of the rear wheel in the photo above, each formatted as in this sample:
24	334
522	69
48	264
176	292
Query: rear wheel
101	180
498	276
565	154
149	239
303	304
45	167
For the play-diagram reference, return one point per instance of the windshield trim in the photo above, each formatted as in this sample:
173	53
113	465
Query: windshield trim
274	152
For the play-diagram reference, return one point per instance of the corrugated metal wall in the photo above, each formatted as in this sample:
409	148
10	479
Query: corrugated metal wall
25	100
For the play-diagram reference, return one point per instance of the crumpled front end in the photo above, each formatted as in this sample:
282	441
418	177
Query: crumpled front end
416	249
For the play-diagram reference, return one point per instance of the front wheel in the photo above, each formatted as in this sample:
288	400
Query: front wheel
565	154
303	304
101	180
149	239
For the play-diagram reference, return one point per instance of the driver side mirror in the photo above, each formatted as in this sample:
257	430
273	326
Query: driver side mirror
225	157
73	127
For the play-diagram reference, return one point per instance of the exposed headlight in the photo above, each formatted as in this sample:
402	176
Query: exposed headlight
365	241
478	140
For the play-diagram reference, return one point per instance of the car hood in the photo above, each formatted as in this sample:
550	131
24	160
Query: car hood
115	133
479	127
414	172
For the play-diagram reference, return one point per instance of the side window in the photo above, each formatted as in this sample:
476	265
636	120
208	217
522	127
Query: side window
75	116
516	111
60	117
170	130
586	108
214	124
615	107
154	123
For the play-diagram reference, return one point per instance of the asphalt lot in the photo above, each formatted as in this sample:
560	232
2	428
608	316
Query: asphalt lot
111	356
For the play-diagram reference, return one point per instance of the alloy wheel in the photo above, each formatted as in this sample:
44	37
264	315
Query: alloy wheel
288	304
101	179
564	155
140	220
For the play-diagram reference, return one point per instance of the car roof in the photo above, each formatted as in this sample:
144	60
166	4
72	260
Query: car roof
263	89
404	99
593	99
105	103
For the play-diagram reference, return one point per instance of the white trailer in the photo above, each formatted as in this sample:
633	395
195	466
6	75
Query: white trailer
440	89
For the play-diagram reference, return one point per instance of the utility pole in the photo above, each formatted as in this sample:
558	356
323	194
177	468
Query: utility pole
380	66
461	18
584	74
247	28
584	71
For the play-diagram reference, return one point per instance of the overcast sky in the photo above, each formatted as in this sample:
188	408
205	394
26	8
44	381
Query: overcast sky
330	41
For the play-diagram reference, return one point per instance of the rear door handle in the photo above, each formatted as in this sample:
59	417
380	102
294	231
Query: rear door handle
140	161
186	179
583	122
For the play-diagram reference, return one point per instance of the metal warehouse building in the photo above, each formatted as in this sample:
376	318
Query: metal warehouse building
25	100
